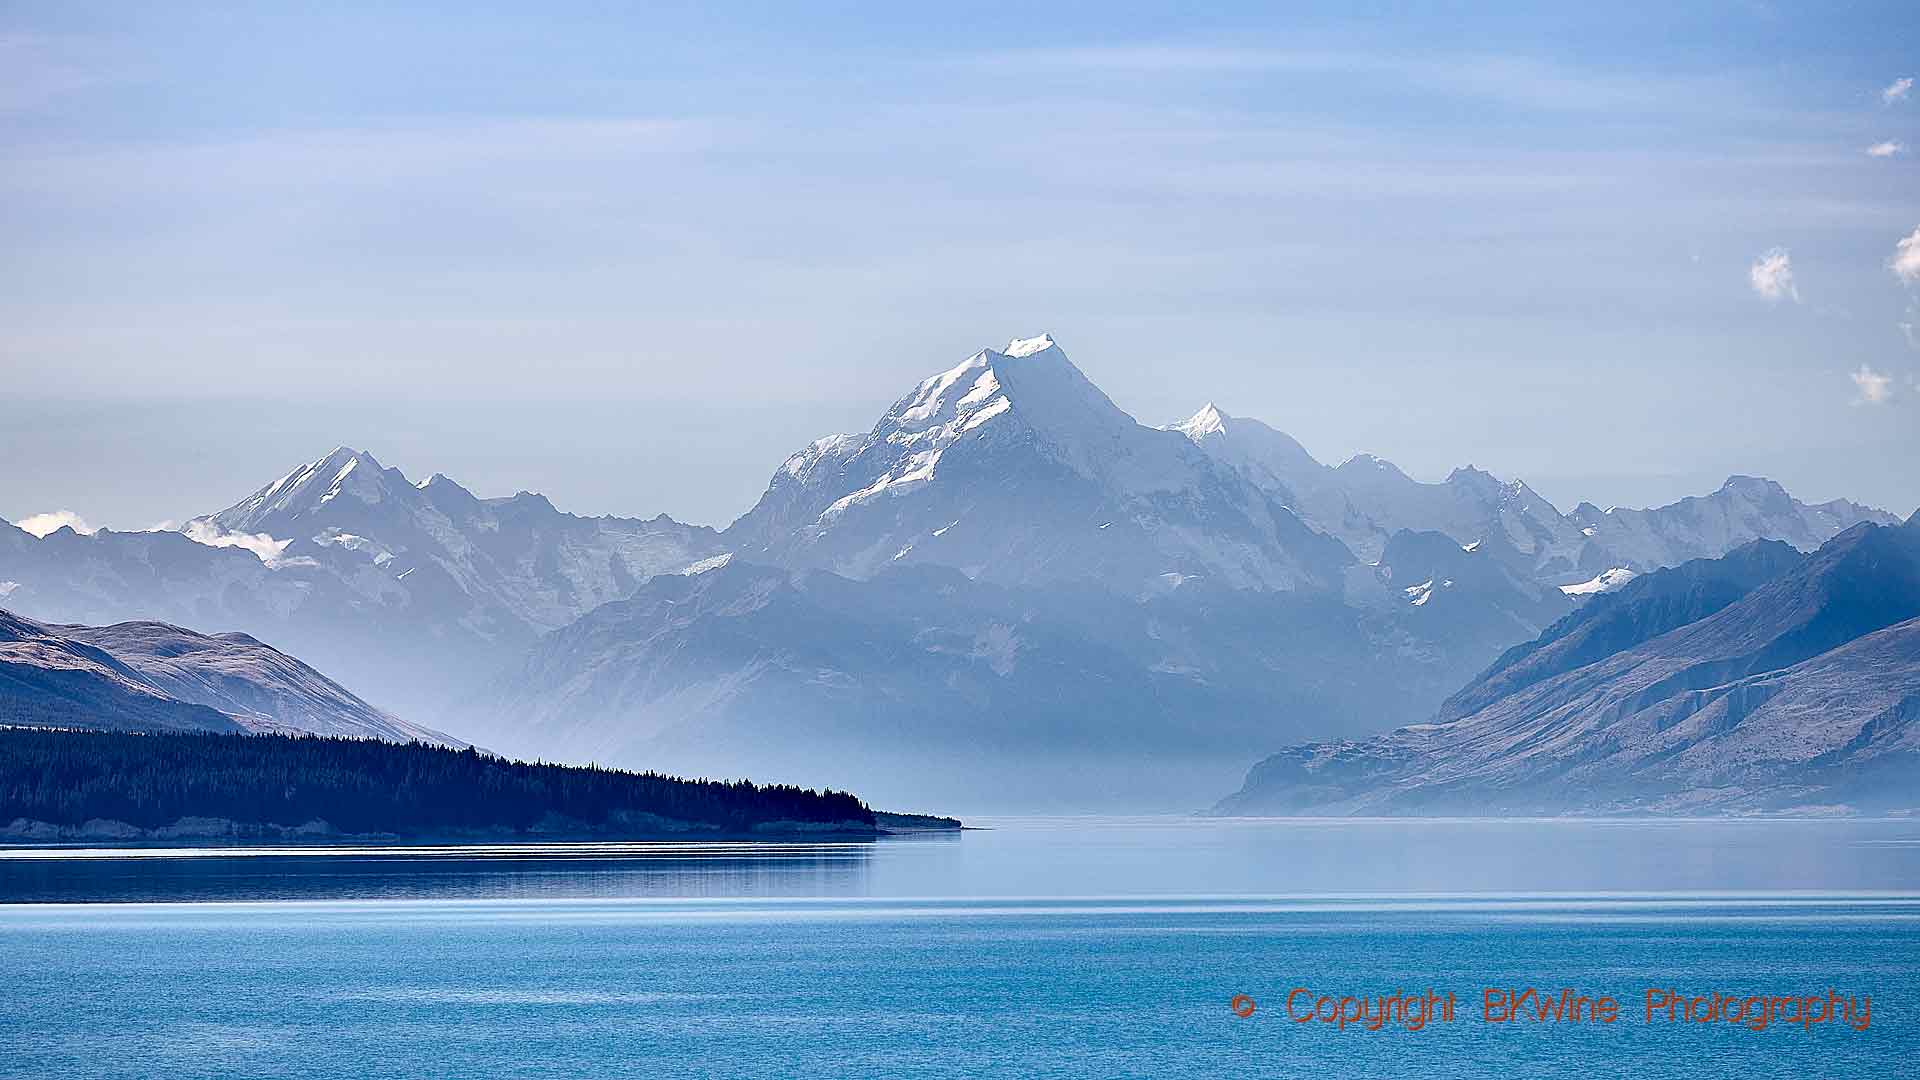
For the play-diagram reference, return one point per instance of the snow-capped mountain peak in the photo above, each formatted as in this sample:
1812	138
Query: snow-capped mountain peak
953	396
1033	380
515	561
1744	508
343	472
1271	459
1208	421
1750	484
992	464
1758	490
1366	464
1020	347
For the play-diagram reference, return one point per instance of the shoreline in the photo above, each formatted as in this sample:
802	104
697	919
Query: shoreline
189	832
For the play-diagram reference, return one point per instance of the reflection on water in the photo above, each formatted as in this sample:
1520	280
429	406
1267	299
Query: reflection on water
528	871
1031	857
1039	947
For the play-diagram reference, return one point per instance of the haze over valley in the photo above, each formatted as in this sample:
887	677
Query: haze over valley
1006	593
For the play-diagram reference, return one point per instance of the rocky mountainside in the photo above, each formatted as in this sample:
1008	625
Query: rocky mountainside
412	592
50	680
1006	583
152	676
512	563
1009	585
1641	610
1744	509
1765	680
1459	593
926	684
1366	500
1015	469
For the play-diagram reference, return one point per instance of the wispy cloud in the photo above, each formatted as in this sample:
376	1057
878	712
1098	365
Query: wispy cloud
53	520
1884	149
1771	276
1512	80
358	158
1871	387
1905	263
263	546
1897	90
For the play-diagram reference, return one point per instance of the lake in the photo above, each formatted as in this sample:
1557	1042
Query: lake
1034	947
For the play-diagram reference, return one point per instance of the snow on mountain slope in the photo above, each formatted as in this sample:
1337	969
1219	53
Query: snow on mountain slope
1367	499
1463	591
1202	576
1471	506
1277	464
542	567
94	578
410	592
1646	607
1605	581
1270	455
1744	509
1012	467
1803	692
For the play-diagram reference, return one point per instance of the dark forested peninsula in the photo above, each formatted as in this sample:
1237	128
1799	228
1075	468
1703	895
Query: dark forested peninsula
57	785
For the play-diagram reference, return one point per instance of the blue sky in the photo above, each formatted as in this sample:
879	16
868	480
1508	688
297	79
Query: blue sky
632	255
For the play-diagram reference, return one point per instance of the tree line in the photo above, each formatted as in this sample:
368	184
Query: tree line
151	780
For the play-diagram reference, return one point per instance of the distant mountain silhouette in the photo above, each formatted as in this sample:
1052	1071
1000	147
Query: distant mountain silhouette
1763	680
1005	583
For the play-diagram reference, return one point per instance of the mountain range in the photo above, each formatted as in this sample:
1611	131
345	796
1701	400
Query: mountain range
1365	500
1764	680
929	684
413	592
1015	469
1007	589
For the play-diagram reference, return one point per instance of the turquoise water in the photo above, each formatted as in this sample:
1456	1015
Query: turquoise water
1040	948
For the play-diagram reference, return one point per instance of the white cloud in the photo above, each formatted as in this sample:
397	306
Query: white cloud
1872	386
1897	90
263	546
1884	149
1905	263
42	524
1771	275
